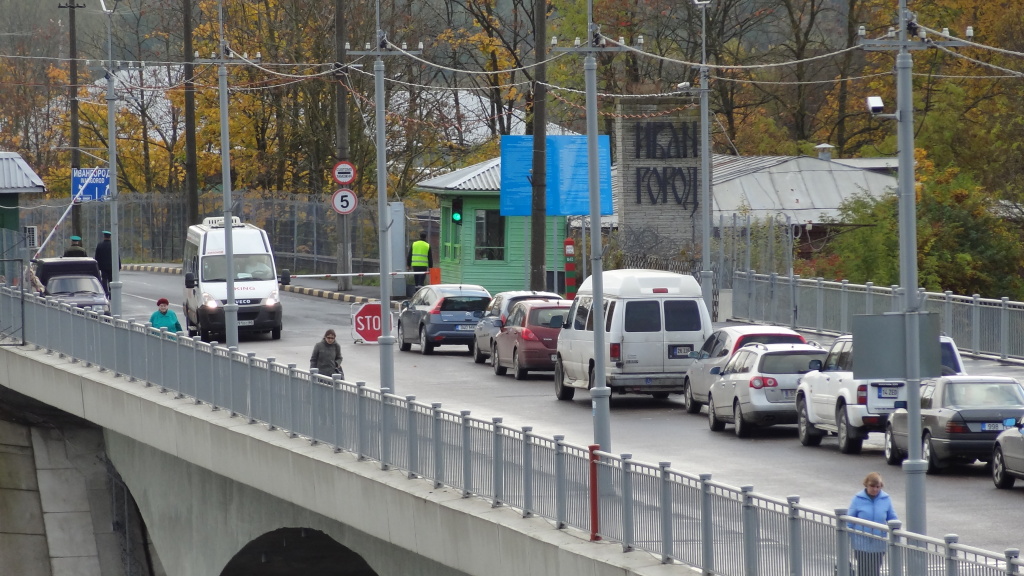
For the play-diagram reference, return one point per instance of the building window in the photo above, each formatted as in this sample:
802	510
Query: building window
490	235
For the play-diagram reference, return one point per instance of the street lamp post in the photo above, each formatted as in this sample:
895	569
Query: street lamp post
706	273
115	251
231	307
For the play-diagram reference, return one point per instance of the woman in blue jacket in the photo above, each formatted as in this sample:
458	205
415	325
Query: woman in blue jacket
874	505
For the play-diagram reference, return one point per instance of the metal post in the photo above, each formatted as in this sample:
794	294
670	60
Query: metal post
707	532
628	538
751	532
386	341
796	566
666	511
706	274
435	408
115	252
498	463
528	469
412	436
230	308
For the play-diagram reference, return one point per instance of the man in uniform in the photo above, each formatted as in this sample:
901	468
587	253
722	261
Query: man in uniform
104	257
76	248
420	259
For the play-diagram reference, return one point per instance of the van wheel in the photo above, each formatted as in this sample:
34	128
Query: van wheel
691	405
714	423
517	370
275	334
562	392
499	370
402	344
850	441
808	434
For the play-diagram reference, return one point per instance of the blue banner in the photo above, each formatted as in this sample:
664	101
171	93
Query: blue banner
568	177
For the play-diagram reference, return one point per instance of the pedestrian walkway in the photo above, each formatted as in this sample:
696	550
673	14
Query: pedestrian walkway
319	287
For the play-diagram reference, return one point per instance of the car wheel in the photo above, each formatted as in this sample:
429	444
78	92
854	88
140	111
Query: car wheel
275	334
928	455
478	356
892	453
742	428
850	441
691	405
809	435
204	333
517	371
499	370
402	344
425	347
1000	476
714	423
562	392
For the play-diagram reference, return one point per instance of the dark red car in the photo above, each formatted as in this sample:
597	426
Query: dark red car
528	339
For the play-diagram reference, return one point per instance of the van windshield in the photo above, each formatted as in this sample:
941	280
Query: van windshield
248	268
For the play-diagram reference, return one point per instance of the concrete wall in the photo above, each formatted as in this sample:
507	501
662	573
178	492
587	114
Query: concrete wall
196	495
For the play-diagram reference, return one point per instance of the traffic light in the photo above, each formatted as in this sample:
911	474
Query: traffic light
457	210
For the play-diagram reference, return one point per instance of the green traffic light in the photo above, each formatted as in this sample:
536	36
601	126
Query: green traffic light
456	217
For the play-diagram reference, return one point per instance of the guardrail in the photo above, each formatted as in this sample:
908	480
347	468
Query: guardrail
677	516
981	326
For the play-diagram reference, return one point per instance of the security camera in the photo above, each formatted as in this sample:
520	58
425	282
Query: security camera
875	105
683	86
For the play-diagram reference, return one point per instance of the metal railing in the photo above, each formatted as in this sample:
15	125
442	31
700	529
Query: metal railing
674	515
981	326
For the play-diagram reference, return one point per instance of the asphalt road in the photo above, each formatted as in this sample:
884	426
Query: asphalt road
960	501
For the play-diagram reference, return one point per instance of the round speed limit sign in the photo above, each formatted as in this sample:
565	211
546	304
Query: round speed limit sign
344	201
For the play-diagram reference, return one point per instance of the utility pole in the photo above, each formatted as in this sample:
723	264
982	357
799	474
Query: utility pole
76	155
706	274
909	36
538	214
344	247
191	162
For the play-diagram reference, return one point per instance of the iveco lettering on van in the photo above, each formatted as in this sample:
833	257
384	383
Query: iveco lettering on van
255	279
653	320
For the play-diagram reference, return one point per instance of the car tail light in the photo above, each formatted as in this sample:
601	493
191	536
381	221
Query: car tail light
955	427
615	351
660	290
862	394
758	382
437	307
529	335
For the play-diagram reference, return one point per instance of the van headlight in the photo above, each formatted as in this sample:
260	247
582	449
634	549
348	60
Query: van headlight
210	301
272	299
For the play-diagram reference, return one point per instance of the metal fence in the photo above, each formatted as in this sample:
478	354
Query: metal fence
981	326
677	516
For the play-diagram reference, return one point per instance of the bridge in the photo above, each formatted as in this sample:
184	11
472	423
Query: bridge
243	465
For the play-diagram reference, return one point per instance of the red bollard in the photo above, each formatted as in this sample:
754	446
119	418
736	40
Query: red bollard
595	515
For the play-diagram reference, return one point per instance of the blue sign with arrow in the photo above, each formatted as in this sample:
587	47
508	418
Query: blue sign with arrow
93	183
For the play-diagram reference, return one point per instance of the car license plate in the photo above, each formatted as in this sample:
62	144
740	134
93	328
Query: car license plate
993	426
465	327
679	350
888	392
554	357
246	322
787	394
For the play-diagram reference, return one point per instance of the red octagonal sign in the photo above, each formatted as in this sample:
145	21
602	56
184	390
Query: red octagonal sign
366	321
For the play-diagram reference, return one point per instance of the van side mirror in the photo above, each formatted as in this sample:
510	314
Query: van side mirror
190	280
814	365
286	277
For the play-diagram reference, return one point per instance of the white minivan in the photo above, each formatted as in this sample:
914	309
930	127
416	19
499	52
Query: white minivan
653	320
255	277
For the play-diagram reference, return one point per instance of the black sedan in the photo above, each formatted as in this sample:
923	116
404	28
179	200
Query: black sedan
441	314
961	416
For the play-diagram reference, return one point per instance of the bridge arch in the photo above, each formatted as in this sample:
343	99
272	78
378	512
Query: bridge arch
288	551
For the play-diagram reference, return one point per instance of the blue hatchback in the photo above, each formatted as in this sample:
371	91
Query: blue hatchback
441	315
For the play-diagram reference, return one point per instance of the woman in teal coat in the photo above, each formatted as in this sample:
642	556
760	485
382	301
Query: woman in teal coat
164	317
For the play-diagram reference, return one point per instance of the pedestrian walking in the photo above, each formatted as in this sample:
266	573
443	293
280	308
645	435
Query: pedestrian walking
420	260
164	317
105	258
874	505
76	249
326	357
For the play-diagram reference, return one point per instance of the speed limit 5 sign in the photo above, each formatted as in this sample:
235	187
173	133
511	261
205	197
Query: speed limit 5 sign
344	201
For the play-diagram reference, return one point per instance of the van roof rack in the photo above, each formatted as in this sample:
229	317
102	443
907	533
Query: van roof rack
218	221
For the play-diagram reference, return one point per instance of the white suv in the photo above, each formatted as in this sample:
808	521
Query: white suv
829	399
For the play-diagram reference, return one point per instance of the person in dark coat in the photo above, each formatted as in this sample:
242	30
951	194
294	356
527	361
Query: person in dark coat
104	257
76	248
326	356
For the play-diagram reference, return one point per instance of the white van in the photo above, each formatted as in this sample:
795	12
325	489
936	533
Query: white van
205	268
653	320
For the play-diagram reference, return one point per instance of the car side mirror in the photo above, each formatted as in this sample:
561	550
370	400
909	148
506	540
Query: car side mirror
695	354
900	404
814	365
404	305
723	353
556	322
716	370
498	323
190	280
1013	422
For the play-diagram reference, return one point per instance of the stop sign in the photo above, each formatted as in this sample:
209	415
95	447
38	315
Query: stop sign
366	322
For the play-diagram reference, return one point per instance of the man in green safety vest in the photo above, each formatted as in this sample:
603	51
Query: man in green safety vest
420	260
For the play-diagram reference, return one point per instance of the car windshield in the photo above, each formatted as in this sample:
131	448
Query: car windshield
248	268
983	395
74	285
769	339
465	303
789	362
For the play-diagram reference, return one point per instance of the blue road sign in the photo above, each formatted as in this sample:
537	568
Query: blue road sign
94	183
